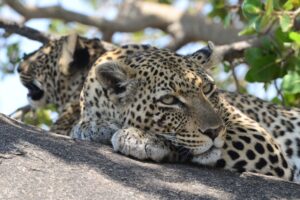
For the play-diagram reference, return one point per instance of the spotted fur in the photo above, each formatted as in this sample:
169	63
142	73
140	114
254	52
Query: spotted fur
51	79
54	74
282	123
156	104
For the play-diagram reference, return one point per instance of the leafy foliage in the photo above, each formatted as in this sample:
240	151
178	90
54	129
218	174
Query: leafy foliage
40	117
13	55
278	56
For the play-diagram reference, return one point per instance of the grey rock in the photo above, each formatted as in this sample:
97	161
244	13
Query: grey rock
35	164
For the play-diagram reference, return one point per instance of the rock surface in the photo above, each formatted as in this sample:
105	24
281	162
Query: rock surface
39	165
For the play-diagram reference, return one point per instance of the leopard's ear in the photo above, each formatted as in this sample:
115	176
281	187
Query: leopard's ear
116	78
74	56
206	57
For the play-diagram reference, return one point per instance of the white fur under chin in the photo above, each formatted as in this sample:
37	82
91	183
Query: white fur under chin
37	104
208	158
219	142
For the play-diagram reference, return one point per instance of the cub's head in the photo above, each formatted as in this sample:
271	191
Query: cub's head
163	93
55	73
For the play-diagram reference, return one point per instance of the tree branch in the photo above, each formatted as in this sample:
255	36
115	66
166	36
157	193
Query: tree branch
136	16
236	50
196	27
21	112
236	80
135	20
279	93
14	27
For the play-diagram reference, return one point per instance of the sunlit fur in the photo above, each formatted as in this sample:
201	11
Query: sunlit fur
51	81
152	104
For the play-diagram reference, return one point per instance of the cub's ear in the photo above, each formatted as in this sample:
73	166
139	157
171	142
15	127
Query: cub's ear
74	56
116	78
207	57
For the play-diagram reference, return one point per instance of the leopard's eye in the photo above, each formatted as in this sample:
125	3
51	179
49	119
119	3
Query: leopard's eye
208	88
169	100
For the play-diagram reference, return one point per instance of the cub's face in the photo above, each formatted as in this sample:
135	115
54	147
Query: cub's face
39	74
55	73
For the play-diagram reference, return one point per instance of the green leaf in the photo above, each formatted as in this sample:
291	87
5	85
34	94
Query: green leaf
40	117
51	107
276	100
251	9
227	67
282	37
268	46
251	55
291	83
58	26
291	99
250	28
297	64
219	9
138	36
288	5
263	69
94	4
295	37
285	22
13	52
263	22
227	20
165	1
43	117
293	63
269	7
256	3
265	19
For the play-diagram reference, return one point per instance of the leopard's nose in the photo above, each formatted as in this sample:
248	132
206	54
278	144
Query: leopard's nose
19	69
213	132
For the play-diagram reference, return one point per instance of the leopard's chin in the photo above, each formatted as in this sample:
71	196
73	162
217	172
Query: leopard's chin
209	157
35	91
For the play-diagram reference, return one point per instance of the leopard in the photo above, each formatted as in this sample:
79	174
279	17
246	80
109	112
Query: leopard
283	123
55	73
69	114
154	104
